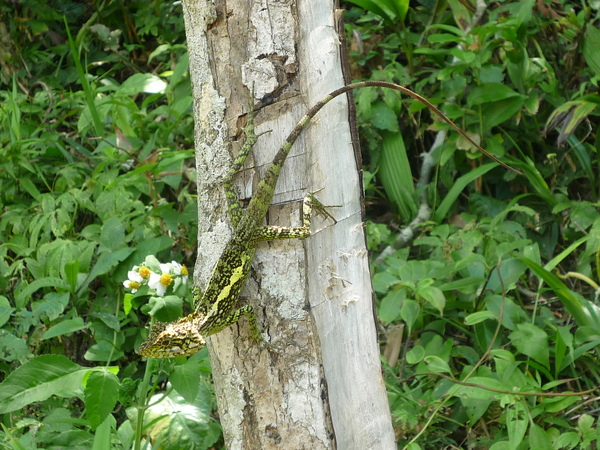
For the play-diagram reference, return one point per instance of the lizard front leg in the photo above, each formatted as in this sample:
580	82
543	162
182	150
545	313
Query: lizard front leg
275	233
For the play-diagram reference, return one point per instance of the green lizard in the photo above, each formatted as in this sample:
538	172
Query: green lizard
216	308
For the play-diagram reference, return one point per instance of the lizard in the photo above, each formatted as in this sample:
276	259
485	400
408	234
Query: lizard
217	307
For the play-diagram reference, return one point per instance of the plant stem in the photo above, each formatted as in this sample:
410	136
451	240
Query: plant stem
142	405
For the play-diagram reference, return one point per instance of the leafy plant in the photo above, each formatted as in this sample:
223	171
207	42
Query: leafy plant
497	290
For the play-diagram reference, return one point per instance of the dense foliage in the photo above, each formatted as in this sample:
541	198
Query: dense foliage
486	281
491	308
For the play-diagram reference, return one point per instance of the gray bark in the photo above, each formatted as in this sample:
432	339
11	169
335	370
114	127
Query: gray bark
313	298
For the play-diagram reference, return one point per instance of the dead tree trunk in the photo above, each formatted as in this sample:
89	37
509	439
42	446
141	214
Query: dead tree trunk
313	298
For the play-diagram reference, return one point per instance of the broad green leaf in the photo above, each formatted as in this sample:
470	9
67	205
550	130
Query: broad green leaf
185	377
475	408
142	82
164	309
434	297
517	419
383	281
479	316
108	260
498	112
103	435
591	44
22	296
51	306
40	378
410	313
103	351
13	348
5	310
384	118
554	405
415	355
437	364
67	326
112	234
532	341
381	8
490	92
390	305
100	396
570	439
175	424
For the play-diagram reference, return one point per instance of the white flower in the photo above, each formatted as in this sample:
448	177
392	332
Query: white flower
134	281
160	282
181	271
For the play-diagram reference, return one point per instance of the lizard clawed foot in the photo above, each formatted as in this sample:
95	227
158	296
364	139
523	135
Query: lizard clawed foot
320	208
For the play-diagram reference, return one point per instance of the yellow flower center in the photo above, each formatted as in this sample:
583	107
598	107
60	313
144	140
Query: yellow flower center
184	271
166	279
144	272
134	285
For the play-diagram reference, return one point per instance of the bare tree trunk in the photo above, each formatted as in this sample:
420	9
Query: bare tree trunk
313	298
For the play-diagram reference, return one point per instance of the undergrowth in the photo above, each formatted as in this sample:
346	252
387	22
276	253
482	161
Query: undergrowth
487	283
488	295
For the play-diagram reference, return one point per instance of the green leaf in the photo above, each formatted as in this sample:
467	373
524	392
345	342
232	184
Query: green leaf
490	92
13	348
107	261
103	436
434	296
591	44
142	83
516	423
27	292
384	118
185	377
40	378
112	234
174	424
51	306
415	355
380	7
390	305
531	341
410	313
437	364
65	327
572	302
497	112
396	175
71	273
5	310
479	316
164	309
457	188
100	396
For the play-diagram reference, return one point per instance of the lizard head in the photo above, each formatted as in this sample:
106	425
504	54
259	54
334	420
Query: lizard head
172	339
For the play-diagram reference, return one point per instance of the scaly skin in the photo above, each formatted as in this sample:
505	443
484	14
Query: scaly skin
216	308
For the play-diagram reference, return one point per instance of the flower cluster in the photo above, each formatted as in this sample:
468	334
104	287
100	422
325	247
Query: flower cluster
156	275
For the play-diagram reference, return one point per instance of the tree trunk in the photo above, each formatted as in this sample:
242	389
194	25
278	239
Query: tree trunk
313	298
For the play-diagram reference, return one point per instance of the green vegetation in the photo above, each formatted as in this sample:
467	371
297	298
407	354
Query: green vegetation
487	282
489	297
